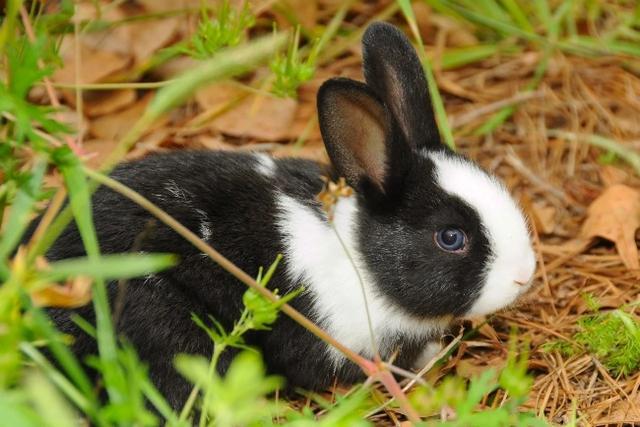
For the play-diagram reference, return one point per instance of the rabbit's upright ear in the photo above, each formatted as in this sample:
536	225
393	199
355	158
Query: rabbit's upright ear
357	132
393	70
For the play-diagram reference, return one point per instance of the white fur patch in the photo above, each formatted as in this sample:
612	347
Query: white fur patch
508	234
317	260
266	165
205	225
172	188
428	353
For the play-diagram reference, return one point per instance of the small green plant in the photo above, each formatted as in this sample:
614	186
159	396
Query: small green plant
614	338
462	399
563	347
346	411
227	29
239	397
291	70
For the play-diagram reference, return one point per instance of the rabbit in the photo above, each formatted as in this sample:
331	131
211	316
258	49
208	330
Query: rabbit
428	234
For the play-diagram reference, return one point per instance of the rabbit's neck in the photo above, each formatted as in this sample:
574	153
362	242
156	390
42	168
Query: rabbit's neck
325	257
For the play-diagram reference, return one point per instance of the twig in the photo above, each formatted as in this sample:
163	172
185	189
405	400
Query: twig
404	373
469	116
517	164
543	267
421	373
436	358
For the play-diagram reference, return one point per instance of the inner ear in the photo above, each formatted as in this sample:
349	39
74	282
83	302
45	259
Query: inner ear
355	127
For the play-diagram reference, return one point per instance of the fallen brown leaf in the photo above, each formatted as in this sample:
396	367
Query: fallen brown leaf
470	368
149	36
306	13
99	103
623	412
114	126
261	117
74	293
95	66
169	5
97	150
611	175
615	216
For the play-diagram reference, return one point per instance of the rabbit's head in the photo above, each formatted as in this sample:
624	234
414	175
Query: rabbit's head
439	235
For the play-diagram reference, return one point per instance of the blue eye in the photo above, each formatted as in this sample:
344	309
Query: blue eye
451	239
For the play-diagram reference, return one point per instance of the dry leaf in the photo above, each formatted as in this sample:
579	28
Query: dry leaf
114	126
173	68
74	121
74	293
150	143
149	36
624	412
611	175
331	193
265	118
100	102
101	53
615	216
471	368
169	5
95	66
306	13
97	150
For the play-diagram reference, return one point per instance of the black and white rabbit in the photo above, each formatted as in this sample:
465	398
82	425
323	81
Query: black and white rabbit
433	236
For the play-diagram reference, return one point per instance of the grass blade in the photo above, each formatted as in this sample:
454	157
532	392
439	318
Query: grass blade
436	99
80	201
63	355
110	267
459	57
627	154
518	15
56	377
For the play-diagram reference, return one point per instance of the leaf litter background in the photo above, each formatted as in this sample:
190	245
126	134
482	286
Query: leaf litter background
584	213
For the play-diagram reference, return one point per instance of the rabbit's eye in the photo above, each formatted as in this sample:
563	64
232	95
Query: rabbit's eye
451	239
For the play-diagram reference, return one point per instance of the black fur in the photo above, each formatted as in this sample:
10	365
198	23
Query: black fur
401	209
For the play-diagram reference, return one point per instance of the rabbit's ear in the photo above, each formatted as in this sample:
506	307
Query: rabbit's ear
392	69
358	133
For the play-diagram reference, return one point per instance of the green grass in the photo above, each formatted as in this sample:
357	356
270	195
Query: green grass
613	337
